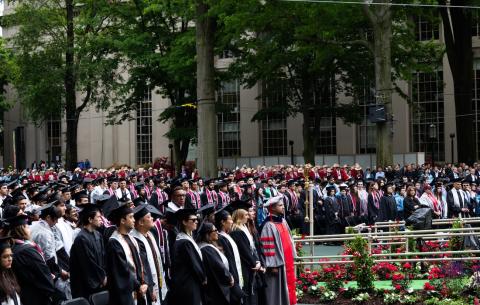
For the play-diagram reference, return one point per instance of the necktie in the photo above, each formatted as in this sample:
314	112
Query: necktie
460	198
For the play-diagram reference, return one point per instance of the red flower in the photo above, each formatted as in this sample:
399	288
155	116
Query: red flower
305	288
428	287
407	266
398	287
398	277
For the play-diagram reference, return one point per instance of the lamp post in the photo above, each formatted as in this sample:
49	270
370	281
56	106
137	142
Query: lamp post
170	146
432	134
291	152
452	137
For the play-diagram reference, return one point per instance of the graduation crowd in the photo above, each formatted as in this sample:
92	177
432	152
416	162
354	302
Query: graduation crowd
146	237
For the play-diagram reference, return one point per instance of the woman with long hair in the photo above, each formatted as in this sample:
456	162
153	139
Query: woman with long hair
9	288
411	202
248	254
259	199
33	274
373	205
188	273
219	278
224	222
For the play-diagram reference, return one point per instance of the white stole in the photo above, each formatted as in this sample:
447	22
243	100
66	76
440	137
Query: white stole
236	255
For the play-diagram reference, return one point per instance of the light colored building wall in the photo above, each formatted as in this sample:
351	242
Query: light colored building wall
249	131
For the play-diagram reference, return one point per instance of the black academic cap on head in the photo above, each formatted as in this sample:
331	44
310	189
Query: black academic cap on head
80	195
48	209
87	181
39	197
139	185
12	184
87	208
184	214
291	182
221	184
238	204
110	205
118	210
143	209
15	221
112	179
330	188
10	211
207	209
99	200
456	180
138	201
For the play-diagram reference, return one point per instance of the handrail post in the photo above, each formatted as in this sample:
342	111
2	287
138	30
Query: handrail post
370	240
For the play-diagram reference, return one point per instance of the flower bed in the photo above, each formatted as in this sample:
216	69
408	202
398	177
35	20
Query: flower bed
442	282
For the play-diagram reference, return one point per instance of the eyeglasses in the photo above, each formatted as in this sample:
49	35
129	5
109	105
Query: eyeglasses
193	219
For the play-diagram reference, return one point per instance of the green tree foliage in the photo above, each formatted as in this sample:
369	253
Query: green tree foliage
315	50
55	64
157	43
8	72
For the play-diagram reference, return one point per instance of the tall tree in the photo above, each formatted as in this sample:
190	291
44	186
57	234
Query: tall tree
207	125
457	28
65	61
380	17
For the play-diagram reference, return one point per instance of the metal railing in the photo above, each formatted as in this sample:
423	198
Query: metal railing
389	238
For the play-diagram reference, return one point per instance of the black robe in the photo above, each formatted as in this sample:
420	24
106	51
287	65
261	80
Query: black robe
33	276
236	294
249	259
87	264
146	269
122	283
188	275
388	209
217	291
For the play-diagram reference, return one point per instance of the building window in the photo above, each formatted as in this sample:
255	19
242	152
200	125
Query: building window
426	28
274	125
229	120
428	109
54	139
366	131
144	129
327	135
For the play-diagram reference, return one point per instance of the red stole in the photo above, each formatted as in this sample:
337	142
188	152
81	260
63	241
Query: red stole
212	197
288	257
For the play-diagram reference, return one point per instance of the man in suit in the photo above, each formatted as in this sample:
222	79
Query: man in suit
457	201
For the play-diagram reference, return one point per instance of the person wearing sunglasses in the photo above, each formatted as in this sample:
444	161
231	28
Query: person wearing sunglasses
188	277
219	278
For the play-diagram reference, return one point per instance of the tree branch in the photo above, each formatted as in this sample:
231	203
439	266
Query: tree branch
449	39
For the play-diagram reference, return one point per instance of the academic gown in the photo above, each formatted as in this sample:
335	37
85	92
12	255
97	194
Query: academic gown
249	259
33	275
124	271
236	292
87	264
188	274
217	291
388	209
279	251
146	268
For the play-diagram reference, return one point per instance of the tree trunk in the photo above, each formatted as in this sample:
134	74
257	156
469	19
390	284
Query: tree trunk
180	152
207	117
457	25
70	97
381	21
309	138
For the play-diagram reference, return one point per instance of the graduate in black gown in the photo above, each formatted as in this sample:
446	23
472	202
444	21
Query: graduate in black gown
224	222
87	256
388	205
219	278
125	278
32	272
188	274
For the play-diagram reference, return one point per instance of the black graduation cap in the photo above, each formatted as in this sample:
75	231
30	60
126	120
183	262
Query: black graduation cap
15	221
184	214
238	204
211	180
10	211
87	181
112	179
87	208
7	201
48	209
99	200
17	192
221	184
330	188
138	201
12	184
291	182
39	197
80	195
144	209
207	209
456	180
139	185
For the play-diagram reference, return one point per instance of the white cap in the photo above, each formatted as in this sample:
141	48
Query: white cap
273	201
